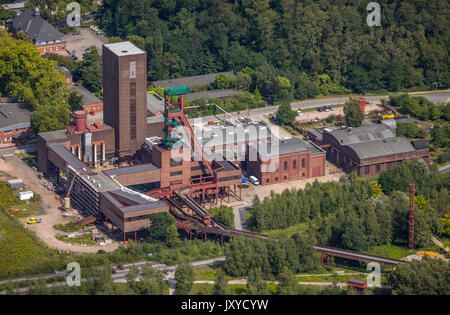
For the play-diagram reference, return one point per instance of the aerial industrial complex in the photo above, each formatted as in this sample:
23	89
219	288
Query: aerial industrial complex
211	171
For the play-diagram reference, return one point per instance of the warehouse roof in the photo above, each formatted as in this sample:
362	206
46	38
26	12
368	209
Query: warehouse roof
190	81
381	147
87	97
362	134
131	169
14	116
155	104
219	135
277	147
68	157
36	28
56	135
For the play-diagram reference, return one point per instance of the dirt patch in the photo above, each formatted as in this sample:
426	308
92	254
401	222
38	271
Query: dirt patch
50	203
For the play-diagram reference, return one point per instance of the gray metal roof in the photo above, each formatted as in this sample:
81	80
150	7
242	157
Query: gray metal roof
190	81
286	146
124	49
390	123
381	147
219	135
15	116
56	135
207	95
68	157
316	133
37	29
132	197
155	104
131	169
363	134
101	182
87	97
144	206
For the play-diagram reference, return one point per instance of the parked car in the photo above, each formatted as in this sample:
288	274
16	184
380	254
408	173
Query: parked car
325	109
92	113
299	113
320	109
34	220
331	107
253	180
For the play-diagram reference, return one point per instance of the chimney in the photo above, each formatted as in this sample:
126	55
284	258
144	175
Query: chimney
80	120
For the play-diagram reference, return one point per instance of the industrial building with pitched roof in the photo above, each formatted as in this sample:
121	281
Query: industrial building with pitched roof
371	148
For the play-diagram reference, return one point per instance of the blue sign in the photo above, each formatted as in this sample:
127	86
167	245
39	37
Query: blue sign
243	180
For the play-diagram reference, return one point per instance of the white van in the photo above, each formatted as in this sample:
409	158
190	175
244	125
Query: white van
254	180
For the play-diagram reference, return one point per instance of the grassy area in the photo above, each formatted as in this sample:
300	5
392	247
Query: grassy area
21	252
68	227
205	273
27	209
85	239
391	251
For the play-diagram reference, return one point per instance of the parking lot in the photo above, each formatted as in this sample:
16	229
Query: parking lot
77	44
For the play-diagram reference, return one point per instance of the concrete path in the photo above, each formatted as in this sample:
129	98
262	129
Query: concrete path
445	168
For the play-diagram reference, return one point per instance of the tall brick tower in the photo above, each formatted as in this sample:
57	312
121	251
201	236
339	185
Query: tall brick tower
125	96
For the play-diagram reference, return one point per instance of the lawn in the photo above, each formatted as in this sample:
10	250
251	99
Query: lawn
86	239
391	251
21	252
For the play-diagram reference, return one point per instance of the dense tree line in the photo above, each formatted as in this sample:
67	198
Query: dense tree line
294	48
354	214
426	277
420	107
244	256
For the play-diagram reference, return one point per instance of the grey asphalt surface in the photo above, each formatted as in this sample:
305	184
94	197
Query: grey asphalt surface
436	98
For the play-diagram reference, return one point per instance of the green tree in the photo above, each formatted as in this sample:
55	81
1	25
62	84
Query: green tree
184	275
74	100
426	277
255	283
29	78
353	113
90	70
172	237
222	81
285	114
287	283
158	231
220	284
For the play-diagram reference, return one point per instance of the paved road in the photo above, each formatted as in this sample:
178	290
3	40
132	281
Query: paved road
444	169
240	222
436	98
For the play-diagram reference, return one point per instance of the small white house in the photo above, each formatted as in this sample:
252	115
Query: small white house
25	195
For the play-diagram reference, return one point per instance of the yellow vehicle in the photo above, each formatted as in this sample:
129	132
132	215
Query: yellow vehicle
33	220
388	116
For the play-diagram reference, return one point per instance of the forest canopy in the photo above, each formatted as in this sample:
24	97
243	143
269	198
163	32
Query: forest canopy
318	46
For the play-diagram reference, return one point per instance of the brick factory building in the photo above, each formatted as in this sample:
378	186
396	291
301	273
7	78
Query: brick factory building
145	135
371	149
293	159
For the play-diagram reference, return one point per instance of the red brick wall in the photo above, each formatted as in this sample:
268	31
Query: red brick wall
54	48
6	137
